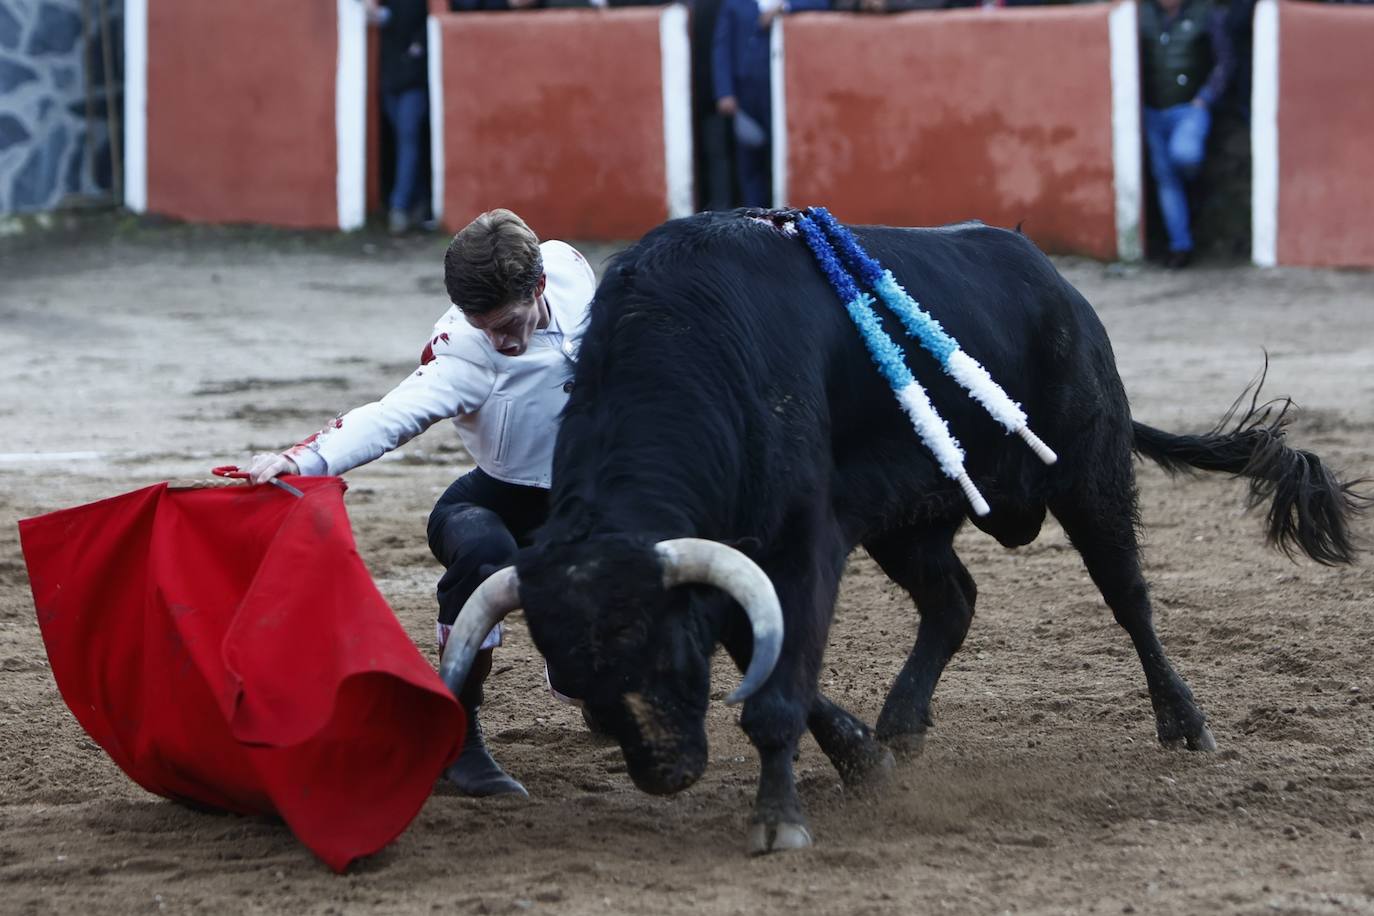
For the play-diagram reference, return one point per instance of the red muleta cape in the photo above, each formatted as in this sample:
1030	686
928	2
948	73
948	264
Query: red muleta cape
228	647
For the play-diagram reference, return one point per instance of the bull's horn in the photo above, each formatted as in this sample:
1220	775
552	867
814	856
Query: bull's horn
687	561
488	606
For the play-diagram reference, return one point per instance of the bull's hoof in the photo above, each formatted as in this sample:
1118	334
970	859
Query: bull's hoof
907	746
766	838
872	772
1202	741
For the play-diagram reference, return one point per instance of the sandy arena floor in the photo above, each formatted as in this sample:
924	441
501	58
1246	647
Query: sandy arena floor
150	354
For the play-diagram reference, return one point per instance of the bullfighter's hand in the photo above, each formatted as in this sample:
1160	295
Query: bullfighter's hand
727	105
268	465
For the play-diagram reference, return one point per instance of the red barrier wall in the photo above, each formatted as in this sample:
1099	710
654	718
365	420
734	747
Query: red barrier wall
557	115
934	117
1326	135
241	111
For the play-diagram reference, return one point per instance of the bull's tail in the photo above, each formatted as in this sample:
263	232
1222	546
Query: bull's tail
1310	510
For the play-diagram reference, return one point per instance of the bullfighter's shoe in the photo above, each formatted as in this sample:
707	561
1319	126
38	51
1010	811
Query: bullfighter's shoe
475	773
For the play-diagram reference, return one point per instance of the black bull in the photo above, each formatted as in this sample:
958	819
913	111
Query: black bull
722	393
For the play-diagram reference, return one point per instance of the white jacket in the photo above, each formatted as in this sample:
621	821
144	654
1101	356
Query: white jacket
505	407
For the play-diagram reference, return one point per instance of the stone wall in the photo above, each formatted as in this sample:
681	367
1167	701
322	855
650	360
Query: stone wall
47	52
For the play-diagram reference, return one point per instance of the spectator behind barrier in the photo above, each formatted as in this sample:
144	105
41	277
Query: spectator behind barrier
405	101
1186	62
741	74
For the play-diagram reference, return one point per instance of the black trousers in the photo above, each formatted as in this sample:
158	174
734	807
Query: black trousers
475	529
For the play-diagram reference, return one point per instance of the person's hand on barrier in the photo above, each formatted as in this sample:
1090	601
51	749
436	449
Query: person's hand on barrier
727	105
268	465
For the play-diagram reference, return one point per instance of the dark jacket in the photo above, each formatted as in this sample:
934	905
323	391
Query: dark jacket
739	53
1184	56
404	46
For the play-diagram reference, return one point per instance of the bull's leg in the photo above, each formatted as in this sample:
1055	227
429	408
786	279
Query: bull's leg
852	747
775	716
922	561
774	722
1105	537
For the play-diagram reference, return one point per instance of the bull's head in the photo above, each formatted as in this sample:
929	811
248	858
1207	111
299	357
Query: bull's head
617	632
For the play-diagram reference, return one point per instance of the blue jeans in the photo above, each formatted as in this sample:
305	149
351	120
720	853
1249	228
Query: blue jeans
1177	140
407	112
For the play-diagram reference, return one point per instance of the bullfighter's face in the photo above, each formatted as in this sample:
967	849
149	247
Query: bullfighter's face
510	327
632	650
